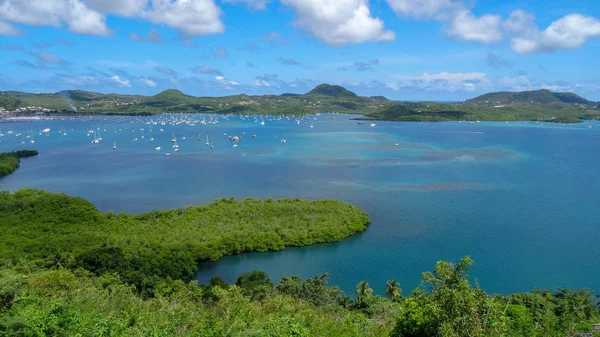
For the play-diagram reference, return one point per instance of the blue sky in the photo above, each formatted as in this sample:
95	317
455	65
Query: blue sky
403	49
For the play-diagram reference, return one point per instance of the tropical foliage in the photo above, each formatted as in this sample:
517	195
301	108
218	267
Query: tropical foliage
55	229
67	269
10	161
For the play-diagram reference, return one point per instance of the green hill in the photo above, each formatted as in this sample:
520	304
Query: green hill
538	96
539	105
334	91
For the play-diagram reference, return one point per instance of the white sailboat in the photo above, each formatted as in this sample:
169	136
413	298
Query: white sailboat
96	140
207	143
174	140
114	145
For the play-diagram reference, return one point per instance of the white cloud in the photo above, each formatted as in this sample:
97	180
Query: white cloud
225	83
261	83
148	82
8	29
468	27
122	83
192	17
79	18
119	7
520	22
424	9
568	32
444	81
339	22
254	4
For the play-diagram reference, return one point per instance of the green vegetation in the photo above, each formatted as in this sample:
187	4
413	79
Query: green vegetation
10	161
62	302
57	229
538	96
67	269
540	105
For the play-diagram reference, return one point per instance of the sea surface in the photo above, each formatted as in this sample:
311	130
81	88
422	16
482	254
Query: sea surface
522	199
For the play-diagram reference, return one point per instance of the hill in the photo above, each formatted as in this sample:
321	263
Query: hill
537	96
539	105
334	91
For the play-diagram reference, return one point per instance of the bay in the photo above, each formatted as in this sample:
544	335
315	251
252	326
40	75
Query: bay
522	199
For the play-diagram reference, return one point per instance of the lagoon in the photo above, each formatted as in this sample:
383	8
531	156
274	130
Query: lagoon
523	199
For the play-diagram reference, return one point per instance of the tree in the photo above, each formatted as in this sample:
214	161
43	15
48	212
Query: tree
255	284
393	290
364	291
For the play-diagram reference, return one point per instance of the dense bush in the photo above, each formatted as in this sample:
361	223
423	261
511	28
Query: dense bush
10	161
144	248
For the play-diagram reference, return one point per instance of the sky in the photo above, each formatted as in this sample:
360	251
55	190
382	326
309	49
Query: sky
440	50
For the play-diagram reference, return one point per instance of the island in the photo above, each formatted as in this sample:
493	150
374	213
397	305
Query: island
67	269
539	105
10	161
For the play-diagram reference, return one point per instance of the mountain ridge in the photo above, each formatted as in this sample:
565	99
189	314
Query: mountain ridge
540	105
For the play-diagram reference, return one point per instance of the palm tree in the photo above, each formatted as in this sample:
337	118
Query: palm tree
392	289
363	290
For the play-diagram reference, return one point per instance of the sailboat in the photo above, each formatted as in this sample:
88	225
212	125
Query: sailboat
174	140
207	143
96	140
114	145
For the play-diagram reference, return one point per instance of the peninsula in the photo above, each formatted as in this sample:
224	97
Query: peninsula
10	161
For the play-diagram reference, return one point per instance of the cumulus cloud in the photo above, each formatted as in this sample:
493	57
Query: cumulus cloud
152	36
121	83
79	18
225	82
568	32
466	26
339	22
8	29
120	7
424	9
254	4
206	70
191	17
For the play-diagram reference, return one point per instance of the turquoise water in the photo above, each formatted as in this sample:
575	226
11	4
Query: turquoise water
523	199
